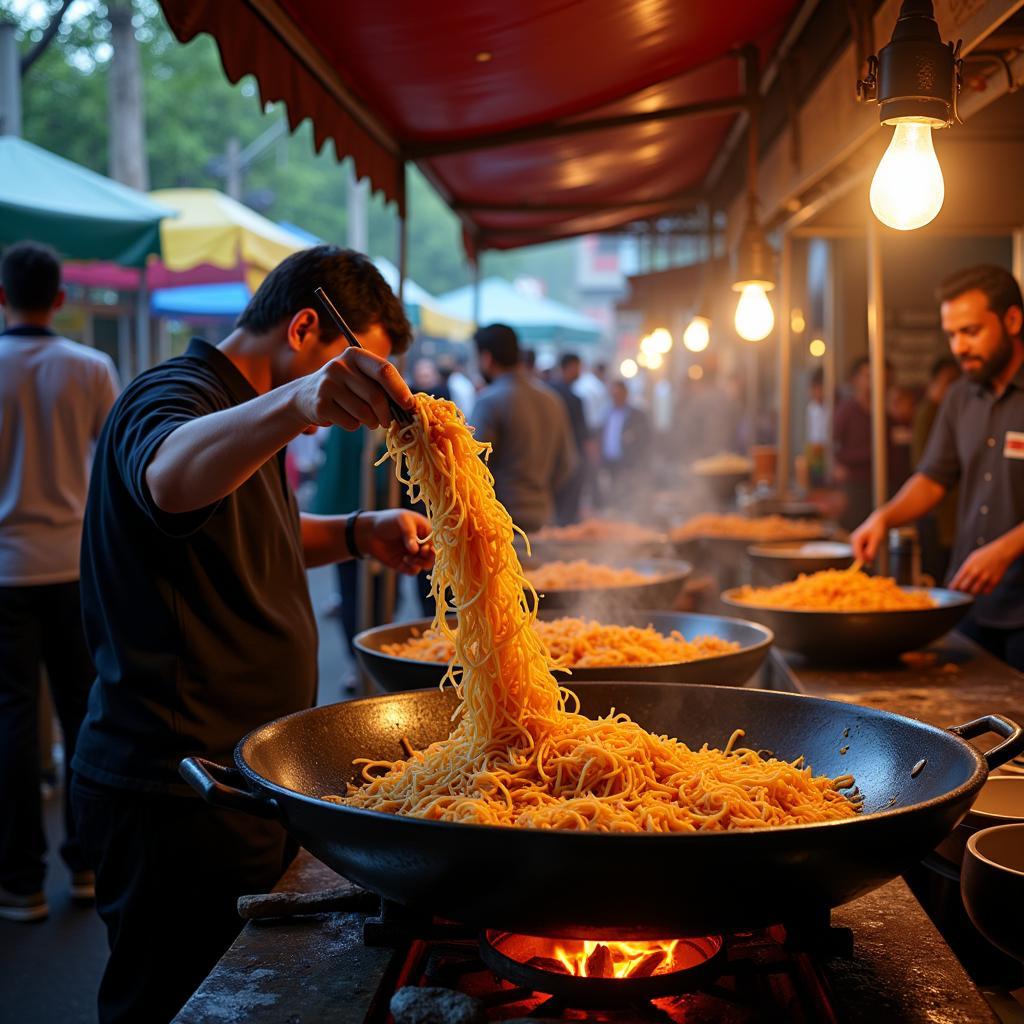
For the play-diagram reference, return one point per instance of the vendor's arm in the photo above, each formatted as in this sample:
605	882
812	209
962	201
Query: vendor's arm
397	537
984	567
918	496
939	470
204	459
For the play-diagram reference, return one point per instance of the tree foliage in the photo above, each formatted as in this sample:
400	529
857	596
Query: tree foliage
191	110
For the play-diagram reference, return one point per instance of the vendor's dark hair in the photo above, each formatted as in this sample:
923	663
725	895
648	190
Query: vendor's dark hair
997	283
351	280
30	274
569	359
502	343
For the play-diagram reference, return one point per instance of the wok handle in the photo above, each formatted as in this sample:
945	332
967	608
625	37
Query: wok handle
225	788
1012	733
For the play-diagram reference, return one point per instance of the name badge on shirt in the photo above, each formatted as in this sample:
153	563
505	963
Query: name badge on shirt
1013	446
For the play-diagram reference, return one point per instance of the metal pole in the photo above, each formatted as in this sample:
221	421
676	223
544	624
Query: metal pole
478	256
143	349
785	366
876	355
830	335
390	580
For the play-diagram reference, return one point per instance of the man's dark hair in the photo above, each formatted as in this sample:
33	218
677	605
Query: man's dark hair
943	363
30	275
569	359
350	279
818	378
501	342
998	285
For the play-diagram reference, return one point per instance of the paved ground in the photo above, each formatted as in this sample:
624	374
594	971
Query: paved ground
49	971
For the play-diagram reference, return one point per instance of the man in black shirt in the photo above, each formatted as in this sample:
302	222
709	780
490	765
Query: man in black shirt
197	610
977	441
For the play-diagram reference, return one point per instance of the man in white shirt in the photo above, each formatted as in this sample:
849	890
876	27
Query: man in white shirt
54	397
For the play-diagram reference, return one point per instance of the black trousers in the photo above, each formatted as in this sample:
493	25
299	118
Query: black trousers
40	625
1005	644
169	870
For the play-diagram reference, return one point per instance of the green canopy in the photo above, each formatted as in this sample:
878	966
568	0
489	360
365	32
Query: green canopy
83	215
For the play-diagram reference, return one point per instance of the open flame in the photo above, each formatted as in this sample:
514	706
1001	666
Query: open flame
592	959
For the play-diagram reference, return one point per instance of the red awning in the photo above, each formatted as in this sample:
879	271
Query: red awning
441	83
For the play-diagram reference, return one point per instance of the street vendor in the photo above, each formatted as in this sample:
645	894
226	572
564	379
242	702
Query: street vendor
977	440
197	610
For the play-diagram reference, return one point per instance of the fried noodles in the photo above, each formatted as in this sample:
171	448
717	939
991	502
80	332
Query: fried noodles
520	753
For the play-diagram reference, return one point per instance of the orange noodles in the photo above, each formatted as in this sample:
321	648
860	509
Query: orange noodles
520	753
837	590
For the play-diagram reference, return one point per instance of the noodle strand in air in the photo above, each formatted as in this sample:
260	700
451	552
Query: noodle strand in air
519	753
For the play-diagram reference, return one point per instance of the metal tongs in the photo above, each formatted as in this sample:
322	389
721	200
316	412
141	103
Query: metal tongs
402	416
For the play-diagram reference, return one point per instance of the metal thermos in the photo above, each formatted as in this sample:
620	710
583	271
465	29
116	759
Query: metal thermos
905	556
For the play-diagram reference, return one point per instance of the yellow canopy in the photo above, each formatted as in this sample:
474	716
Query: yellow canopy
216	229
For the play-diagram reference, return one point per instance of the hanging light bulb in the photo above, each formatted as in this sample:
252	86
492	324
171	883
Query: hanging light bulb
695	372
655	361
697	335
646	346
907	189
753	277
661	341
915	78
628	368
816	348
755	317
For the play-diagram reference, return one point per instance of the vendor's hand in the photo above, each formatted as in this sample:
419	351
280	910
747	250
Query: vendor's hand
350	391
983	568
396	537
869	537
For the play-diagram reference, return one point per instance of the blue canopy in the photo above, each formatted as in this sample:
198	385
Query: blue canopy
201	300
534	317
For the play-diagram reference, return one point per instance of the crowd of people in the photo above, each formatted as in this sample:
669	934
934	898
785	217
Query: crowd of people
153	556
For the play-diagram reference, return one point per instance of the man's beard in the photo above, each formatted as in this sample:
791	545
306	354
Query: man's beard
993	366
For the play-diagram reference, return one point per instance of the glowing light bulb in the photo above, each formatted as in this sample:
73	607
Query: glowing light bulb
695	372
655	361
660	341
907	189
755	317
628	368
697	335
817	348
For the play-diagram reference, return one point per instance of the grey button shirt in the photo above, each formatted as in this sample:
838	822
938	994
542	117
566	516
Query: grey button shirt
534	452
978	441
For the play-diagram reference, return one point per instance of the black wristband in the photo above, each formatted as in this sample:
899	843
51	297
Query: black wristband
350	534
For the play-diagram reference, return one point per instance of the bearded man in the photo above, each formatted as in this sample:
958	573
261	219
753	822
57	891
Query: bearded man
977	440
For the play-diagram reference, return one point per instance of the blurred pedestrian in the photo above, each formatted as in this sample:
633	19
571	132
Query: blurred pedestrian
567	500
54	396
817	428
461	389
900	408
427	378
625	447
534	452
853	447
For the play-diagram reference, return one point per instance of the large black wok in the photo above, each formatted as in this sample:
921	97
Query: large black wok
860	637
665	578
918	782
395	674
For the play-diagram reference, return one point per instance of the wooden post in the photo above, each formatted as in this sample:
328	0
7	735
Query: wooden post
876	354
785	368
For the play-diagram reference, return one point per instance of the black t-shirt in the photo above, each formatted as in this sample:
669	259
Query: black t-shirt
200	623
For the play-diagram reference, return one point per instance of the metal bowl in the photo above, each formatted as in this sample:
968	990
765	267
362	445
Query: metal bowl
785	560
857	637
543	550
992	885
666	580
1000	802
393	673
